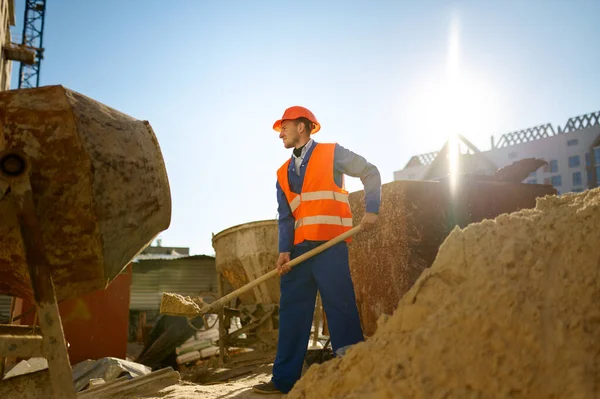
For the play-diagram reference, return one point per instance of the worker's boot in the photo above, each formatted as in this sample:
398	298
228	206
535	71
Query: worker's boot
267	388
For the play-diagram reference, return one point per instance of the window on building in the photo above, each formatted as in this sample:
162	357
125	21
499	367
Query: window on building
572	142
553	166
532	181
577	179
587	159
556	180
598	175
574	161
597	155
533	174
577	190
513	155
589	176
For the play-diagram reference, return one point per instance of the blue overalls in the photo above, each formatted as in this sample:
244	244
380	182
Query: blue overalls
328	272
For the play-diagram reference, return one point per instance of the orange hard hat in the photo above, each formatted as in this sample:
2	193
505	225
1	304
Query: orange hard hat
296	112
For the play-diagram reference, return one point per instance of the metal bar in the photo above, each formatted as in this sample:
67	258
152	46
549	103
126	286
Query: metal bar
251	326
222	335
41	50
317	319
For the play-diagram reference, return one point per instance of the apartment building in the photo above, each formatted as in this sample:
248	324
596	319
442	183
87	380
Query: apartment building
572	153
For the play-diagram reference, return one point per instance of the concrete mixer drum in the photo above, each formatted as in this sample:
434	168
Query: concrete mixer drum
83	189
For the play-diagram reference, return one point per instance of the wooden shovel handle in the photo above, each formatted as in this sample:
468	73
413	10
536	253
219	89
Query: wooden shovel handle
227	298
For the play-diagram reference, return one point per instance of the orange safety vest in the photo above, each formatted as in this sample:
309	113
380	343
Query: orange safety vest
321	210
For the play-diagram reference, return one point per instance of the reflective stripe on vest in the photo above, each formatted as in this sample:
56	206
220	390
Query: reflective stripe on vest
321	211
323	219
318	195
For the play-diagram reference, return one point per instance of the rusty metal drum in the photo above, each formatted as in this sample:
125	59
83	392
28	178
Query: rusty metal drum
246	252
414	220
98	181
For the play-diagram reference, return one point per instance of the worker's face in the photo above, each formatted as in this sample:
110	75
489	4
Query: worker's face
289	134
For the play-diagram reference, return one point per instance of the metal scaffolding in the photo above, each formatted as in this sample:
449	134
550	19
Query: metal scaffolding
33	33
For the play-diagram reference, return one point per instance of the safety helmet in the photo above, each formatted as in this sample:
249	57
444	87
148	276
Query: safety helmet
296	112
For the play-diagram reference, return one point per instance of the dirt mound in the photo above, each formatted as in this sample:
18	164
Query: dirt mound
509	309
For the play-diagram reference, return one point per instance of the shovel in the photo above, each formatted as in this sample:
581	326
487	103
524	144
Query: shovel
211	308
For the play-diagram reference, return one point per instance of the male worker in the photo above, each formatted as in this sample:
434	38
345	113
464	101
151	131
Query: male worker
313	208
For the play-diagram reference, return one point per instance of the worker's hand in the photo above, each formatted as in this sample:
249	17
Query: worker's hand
284	257
368	222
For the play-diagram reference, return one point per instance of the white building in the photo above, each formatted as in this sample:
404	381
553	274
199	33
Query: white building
572	153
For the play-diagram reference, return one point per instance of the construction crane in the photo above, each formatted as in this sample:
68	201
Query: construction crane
33	33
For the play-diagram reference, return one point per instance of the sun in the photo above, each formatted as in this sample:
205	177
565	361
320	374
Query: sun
454	100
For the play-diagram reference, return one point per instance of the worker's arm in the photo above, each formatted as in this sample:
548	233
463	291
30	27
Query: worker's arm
351	164
286	230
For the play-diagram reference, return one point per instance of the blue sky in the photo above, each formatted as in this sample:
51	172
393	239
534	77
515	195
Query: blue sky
213	76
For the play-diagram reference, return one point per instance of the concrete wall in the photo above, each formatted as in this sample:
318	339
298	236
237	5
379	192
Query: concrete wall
7	18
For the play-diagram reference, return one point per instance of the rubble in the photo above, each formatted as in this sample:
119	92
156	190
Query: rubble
508	309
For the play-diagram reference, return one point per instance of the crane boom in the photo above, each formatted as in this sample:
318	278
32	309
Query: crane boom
33	33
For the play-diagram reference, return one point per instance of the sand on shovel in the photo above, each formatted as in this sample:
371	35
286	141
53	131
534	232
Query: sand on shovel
178	305
509	309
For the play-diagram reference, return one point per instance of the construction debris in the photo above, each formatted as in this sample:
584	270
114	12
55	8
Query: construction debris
108	369
519	170
508	309
168	333
125	389
27	366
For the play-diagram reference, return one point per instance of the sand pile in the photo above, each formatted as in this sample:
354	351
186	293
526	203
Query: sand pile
175	304
509	309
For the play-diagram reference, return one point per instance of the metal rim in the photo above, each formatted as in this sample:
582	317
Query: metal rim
242	226
13	165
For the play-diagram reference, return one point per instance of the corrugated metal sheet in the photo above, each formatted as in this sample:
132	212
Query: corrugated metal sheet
4	308
185	276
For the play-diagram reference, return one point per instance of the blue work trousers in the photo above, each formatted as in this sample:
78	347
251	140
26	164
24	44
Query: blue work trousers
329	272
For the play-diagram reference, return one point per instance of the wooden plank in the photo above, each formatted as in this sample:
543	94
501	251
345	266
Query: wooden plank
222	376
21	346
55	348
92	388
12	329
148	383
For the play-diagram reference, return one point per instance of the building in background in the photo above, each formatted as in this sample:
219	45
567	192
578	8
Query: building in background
572	153
166	269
